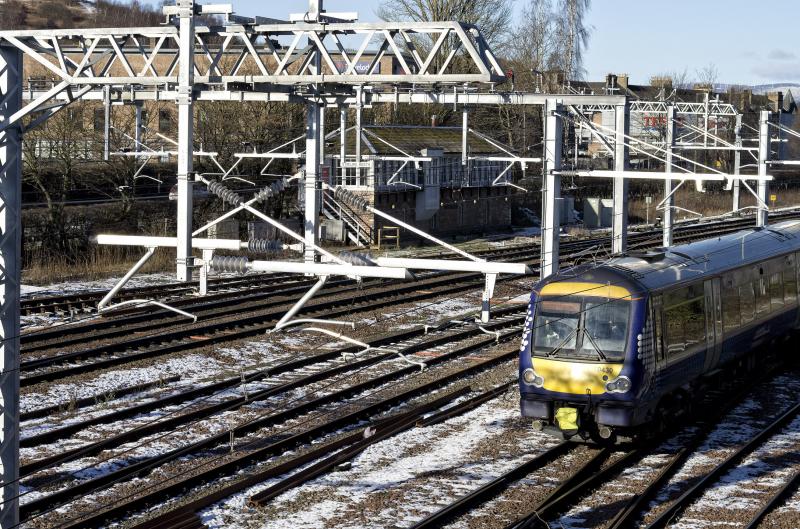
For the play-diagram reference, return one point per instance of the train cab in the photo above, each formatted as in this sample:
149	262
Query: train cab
584	331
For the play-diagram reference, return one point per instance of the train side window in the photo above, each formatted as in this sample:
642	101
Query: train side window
685	319
762	297
776	291
731	309
790	281
747	302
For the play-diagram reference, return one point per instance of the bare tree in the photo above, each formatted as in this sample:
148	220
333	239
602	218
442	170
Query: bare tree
573	35
533	37
493	17
708	75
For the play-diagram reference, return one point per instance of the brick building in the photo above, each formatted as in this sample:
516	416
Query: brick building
440	194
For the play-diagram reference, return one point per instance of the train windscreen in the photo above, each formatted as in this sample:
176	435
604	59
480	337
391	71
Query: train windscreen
594	329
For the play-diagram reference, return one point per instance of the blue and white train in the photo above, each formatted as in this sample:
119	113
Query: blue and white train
609	349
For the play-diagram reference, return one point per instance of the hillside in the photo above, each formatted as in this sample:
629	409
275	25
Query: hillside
54	14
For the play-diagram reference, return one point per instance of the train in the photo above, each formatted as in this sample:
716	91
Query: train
613	351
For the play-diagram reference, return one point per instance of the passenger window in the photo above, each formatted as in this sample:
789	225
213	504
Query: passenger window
731	309
762	297
685	319
776	291
790	281
747	302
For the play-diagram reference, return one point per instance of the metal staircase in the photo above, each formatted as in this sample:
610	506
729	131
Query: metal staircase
359	232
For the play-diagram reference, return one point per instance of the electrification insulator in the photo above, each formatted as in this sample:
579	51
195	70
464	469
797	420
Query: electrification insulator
350	198
357	259
229	263
227	195
275	188
264	245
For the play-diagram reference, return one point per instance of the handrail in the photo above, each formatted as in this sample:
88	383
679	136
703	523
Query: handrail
354	221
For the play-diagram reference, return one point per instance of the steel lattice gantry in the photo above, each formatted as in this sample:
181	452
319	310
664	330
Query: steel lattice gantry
304	60
10	241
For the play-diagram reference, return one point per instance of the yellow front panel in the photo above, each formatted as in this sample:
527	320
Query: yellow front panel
570	288
578	378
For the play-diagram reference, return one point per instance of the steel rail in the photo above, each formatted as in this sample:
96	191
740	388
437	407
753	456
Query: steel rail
211	334
497	252
709	415
573	489
105	396
40	304
492	488
319	468
175	516
775	500
65	496
166	423
159	494
711	477
88	300
587	469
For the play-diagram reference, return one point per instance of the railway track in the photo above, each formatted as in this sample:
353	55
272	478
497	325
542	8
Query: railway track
158	333
488	358
204	403
603	466
324	366
86	302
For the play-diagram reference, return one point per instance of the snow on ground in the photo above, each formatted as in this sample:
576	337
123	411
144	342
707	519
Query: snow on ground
737	428
192	368
429	312
634	476
439	457
70	287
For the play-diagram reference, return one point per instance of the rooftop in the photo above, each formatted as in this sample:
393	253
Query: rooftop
411	140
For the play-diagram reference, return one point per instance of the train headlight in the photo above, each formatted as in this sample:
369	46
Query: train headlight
531	377
619	385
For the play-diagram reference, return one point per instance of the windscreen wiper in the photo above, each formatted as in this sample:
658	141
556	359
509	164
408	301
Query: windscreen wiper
562	344
599	351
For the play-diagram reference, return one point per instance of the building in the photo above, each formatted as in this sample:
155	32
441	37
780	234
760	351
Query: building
417	174
651	127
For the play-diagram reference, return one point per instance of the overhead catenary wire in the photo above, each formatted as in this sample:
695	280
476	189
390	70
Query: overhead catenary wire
610	300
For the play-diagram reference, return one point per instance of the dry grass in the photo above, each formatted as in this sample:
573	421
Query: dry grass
100	263
710	203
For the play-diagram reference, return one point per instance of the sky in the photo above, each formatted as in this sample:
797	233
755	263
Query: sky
748	42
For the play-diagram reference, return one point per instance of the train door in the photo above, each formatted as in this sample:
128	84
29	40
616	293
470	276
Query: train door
713	322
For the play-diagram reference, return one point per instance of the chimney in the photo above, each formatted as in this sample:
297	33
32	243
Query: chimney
434	120
622	80
611	83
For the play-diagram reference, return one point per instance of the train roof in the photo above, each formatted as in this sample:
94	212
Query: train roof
662	267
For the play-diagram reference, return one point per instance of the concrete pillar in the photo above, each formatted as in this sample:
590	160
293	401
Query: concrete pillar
670	199
10	257
185	101
551	188
619	220
762	217
737	162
